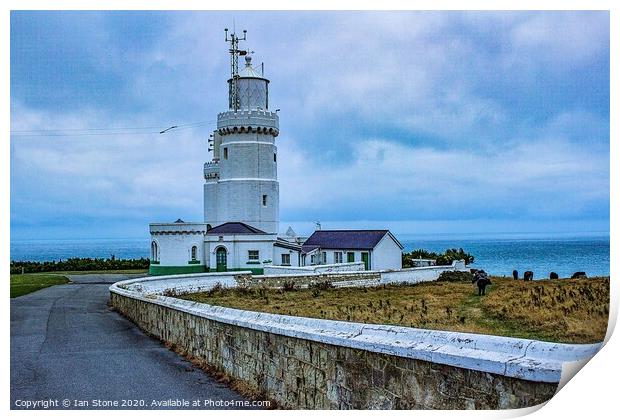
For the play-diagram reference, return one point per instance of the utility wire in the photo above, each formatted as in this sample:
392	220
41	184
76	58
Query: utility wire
74	132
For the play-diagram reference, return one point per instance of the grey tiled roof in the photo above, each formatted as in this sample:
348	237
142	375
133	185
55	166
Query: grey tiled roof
235	228
344	239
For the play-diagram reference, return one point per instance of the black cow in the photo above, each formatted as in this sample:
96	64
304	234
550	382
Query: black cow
528	276
553	275
579	275
515	274
482	281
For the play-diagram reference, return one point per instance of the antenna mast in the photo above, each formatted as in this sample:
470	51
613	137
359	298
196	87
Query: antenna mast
235	52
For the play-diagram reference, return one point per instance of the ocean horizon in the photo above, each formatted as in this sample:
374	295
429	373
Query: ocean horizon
498	254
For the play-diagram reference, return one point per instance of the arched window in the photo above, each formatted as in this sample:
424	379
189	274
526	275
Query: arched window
194	253
154	251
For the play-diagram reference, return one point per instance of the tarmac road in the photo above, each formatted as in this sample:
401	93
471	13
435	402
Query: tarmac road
67	345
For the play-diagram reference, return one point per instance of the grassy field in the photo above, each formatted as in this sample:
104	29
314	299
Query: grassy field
570	311
22	284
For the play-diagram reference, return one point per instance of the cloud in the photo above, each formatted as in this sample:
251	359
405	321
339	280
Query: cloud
385	115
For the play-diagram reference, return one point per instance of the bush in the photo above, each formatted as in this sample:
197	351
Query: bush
322	285
289	286
446	258
456	276
454	255
79	264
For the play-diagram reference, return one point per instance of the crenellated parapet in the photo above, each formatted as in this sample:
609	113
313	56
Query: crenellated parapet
246	121
212	171
177	228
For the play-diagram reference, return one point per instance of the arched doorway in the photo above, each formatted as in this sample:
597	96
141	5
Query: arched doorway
220	259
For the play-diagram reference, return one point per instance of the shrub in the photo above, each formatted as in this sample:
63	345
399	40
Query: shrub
322	285
79	264
454	255
289	286
215	290
446	258
456	276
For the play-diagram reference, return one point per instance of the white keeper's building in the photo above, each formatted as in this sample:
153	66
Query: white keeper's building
241	199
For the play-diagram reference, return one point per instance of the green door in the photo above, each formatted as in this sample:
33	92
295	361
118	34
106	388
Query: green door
350	256
220	257
366	259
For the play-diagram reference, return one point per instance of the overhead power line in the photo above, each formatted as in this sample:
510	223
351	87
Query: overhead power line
74	132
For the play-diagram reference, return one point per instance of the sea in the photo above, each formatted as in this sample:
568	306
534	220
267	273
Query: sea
497	254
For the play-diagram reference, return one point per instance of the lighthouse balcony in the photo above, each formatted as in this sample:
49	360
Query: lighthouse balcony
212	171
248	121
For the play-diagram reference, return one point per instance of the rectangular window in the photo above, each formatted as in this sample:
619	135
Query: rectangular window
264	200
324	257
225	152
350	256
274	158
337	257
313	259
286	259
253	254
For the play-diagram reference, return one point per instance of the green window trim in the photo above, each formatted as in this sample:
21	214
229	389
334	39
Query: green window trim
193	262
253	262
154	262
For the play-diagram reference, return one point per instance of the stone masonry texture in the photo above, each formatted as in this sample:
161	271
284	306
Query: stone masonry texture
303	374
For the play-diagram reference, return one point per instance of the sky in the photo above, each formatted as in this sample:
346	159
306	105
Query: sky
421	122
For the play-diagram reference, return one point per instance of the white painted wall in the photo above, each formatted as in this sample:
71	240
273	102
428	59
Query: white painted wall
420	274
175	240
325	268
237	247
247	172
387	255
277	256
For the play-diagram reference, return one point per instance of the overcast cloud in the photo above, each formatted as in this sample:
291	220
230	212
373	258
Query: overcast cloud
386	117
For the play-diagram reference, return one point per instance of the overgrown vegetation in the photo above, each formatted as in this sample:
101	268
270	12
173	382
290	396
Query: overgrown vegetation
572	311
22	284
451	276
80	264
446	258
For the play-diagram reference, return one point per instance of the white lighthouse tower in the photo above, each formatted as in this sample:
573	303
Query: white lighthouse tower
241	192
241	199
241	180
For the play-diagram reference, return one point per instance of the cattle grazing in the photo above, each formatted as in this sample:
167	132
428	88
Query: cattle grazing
579	275
528	276
553	275
515	274
482	281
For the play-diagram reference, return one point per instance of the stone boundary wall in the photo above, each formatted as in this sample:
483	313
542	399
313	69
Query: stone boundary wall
420	274
340	279
326	268
276	275
321	364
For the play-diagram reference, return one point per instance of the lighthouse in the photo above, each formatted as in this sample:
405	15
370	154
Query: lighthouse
241	200
241	191
241	179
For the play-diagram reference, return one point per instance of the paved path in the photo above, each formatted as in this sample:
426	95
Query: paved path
67	344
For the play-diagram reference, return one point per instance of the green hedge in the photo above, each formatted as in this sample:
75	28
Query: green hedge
79	264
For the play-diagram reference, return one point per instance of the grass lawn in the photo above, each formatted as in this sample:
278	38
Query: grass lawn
570	311
22	284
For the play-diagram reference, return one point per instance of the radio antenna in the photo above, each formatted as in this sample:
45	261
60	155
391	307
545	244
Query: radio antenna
235	52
